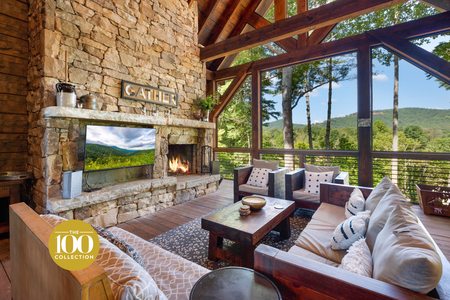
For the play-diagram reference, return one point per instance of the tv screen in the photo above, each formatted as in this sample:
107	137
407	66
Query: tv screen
109	147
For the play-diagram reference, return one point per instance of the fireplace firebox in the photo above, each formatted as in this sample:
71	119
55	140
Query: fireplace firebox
181	160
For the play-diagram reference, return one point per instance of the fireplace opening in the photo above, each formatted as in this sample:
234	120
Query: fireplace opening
181	160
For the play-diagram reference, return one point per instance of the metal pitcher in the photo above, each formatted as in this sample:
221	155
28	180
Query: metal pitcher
89	102
65	95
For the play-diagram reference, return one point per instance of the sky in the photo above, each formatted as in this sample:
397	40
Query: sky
414	91
122	137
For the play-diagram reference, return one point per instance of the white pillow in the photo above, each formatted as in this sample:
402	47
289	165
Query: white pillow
349	231
355	204
358	259
378	193
313	180
259	177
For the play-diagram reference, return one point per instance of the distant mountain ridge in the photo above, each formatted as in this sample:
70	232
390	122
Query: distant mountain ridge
424	117
95	151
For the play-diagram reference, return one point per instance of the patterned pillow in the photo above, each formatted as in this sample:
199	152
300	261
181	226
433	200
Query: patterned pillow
313	180
358	260
121	244
349	231
128	279
259	177
355	204
53	220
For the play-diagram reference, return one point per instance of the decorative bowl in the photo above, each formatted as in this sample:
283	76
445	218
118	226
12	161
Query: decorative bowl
254	202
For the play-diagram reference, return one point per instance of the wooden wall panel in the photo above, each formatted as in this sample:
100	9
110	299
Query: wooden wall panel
13	85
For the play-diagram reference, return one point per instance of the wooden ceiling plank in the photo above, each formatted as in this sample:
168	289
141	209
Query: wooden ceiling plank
289	44
231	90
318	35
442	5
210	7
410	30
324	15
419	57
222	22
302	6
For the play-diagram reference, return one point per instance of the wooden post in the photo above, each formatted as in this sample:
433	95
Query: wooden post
302	6
256	113
365	170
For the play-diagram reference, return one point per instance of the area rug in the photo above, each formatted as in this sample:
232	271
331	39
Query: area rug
191	241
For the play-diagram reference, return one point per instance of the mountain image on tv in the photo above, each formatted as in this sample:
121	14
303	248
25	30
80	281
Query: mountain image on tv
109	147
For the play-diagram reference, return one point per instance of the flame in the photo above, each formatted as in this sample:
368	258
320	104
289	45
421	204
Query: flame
176	166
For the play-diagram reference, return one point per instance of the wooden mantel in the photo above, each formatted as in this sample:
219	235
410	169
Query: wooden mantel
123	118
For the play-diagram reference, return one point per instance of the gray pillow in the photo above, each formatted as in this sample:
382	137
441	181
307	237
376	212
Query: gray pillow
264	164
316	169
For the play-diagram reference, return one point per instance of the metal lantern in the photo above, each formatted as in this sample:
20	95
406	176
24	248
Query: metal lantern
206	160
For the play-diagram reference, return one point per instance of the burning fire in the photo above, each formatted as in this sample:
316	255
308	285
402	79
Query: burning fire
175	165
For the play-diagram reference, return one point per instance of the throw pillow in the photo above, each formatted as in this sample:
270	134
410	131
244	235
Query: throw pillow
378	193
53	220
358	259
317	169
259	177
264	164
405	255
390	200
313	180
128	279
355	204
121	244
349	231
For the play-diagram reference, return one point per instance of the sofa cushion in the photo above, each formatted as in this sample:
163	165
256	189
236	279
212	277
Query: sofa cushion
390	200
264	164
316	239
128	279
174	275
378	193
308	254
254	189
405	255
358	260
304	196
313	180
313	168
349	231
355	204
330	214
259	177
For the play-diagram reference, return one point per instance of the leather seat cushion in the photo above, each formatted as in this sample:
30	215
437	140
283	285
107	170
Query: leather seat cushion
254	189
308	254
304	196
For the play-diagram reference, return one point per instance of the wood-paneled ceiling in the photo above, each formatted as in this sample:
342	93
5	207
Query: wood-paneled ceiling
221	20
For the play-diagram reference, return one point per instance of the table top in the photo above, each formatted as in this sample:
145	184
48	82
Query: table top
250	229
231	283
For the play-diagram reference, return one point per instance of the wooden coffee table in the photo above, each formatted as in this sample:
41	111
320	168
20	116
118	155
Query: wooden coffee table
247	230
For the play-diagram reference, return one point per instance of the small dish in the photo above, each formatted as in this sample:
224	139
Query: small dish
254	202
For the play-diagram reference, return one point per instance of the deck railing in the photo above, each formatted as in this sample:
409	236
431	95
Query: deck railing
432	171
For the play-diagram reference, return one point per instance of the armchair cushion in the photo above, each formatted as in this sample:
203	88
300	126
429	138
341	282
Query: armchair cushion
313	168
405	255
254	189
264	164
305	196
259	177
313	180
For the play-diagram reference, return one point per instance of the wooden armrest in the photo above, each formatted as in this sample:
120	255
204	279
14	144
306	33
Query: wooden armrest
240	177
298	277
338	194
294	181
277	183
342	178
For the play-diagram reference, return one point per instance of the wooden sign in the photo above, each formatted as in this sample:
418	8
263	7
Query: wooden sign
140	92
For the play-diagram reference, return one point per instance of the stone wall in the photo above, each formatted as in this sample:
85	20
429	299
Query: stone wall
152	42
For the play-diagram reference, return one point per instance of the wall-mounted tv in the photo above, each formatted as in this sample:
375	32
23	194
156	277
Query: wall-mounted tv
109	147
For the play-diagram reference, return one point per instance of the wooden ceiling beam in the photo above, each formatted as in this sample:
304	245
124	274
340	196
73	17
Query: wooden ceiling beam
324	15
222	22
289	44
410	30
318	35
442	5
419	57
211	6
280	7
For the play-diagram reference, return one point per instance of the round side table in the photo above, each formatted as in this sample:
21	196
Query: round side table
231	283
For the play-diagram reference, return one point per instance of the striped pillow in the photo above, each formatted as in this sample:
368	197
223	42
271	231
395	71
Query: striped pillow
355	204
349	231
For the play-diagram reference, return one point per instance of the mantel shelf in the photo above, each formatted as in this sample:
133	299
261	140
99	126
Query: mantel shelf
107	116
